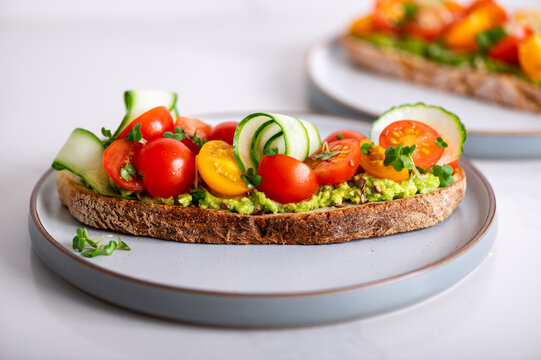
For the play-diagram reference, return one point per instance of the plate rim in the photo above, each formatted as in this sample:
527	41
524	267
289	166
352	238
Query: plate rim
482	231
321	45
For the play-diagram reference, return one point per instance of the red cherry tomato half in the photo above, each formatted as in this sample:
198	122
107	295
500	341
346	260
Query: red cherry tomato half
153	123
167	165
224	131
409	132
117	155
344	134
506	49
286	179
190	126
340	167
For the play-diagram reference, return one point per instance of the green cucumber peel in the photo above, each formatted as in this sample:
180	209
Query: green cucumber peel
447	124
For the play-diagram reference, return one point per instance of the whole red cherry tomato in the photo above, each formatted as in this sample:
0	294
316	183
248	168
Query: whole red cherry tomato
339	167
167	166
286	179
224	131
117	156
154	123
344	134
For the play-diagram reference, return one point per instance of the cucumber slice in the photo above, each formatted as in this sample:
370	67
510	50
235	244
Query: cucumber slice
447	124
313	136
139	101
262	135
295	137
82	155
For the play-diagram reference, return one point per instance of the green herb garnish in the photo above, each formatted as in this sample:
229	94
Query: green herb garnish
135	134
127	171
339	136
326	155
82	241
251	178
365	148
197	195
441	143
108	134
399	157
179	134
488	38
444	173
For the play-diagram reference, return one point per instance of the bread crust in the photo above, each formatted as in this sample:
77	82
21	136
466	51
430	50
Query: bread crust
194	225
499	88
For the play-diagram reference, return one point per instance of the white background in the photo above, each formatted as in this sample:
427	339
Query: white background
65	64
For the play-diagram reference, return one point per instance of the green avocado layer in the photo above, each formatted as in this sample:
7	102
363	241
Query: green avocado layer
346	193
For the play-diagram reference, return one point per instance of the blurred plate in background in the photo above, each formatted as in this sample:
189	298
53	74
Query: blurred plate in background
336	86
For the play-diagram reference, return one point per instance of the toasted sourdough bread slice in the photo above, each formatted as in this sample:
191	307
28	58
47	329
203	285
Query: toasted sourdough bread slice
503	89
194	225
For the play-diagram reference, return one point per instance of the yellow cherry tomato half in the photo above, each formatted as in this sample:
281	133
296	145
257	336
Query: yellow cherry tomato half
529	56
483	15
219	169
362	26
373	164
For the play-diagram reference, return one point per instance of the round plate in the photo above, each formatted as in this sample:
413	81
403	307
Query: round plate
271	285
337	86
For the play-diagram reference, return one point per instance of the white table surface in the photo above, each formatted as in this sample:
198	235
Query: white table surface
65	64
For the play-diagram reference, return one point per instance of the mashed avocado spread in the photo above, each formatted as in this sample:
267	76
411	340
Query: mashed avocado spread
346	193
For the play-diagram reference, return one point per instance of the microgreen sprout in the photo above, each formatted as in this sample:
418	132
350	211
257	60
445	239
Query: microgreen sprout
400	157
135	134
444	173
127	171
251	178
180	135
326	153
365	148
94	245
197	195
441	143
108	134
339	136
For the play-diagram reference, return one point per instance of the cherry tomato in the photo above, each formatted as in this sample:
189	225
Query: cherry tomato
219	169
344	134
482	15
432	19
362	26
224	131
373	164
153	123
506	49
190	126
117	155
497	12
167	165
286	179
340	167
409	132
387	15
529	55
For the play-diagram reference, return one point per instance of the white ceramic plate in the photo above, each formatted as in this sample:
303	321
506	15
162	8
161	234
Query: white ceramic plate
271	285
337	86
